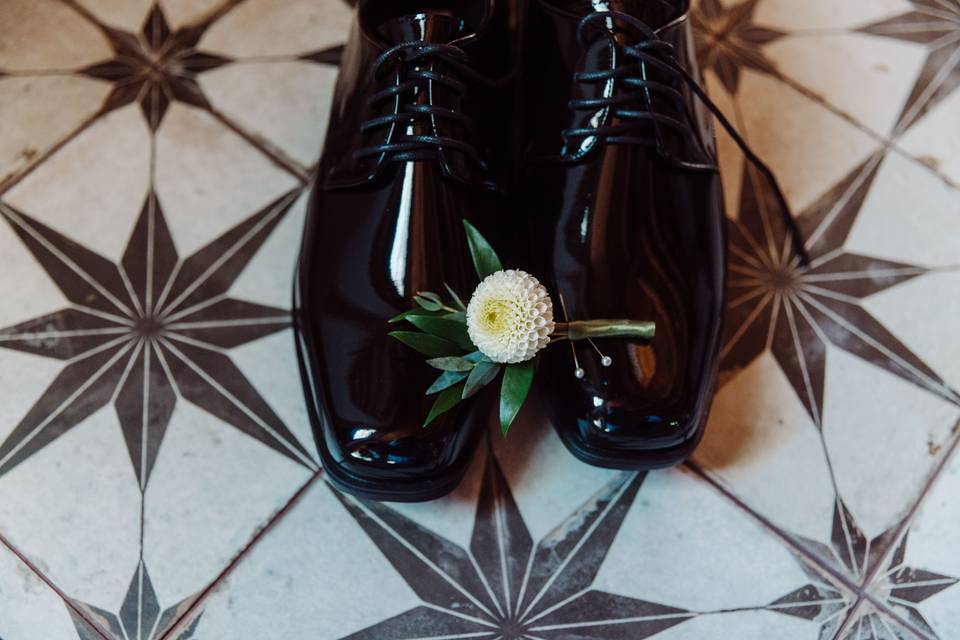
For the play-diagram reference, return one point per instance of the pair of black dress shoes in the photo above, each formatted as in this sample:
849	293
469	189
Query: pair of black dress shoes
573	135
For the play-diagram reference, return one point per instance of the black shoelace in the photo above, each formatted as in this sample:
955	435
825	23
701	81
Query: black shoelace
413	57
634	123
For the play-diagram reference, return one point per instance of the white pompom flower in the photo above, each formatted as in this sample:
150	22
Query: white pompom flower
510	317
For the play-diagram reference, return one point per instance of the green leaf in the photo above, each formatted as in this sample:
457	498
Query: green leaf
411	312
481	375
458	316
517	379
474	357
457	302
485	259
447	400
431	296
426	344
451	364
427	304
446	328
446	380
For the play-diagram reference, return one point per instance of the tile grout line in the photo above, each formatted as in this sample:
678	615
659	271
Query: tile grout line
17	177
905	524
237	559
848	619
928	483
53	587
864	598
888	143
795	547
265	147
204	595
860	591
908	627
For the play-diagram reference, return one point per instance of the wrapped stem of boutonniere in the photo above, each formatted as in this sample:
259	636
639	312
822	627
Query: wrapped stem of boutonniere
506	323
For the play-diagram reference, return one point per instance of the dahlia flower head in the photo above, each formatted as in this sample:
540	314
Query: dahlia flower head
510	317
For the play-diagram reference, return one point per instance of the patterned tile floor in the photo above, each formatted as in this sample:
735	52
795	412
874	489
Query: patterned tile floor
157	475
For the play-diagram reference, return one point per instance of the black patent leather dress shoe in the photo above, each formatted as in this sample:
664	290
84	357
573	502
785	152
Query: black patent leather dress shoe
628	212
420	121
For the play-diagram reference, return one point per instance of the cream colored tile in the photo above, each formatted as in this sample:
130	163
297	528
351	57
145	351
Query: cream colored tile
797	15
935	139
29	607
665	562
286	103
761	444
930	559
46	34
212	489
743	625
909	216
532	458
74	509
270	364
866	77
679	523
884	436
29	374
252	28
267	277
74	506
26	290
806	145
204	174
94	188
181	12
923	314
39	112
314	582
124	14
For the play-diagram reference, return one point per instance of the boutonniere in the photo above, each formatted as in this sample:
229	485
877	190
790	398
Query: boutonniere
507	322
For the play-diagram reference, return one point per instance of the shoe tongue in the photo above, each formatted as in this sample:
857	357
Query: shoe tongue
655	13
435	27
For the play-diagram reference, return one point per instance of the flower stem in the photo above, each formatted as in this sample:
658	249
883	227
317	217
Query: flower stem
585	329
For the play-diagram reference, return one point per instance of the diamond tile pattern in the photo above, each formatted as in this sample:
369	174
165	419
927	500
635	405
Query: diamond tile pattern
158	478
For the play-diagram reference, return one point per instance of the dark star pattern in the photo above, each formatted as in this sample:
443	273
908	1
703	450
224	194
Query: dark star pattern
891	582
849	551
868	623
142	333
160	67
728	41
903	587
505	586
140	616
935	24
818	601
794	310
156	66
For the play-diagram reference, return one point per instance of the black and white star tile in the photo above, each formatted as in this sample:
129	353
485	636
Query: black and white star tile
606	555
149	308
158	479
